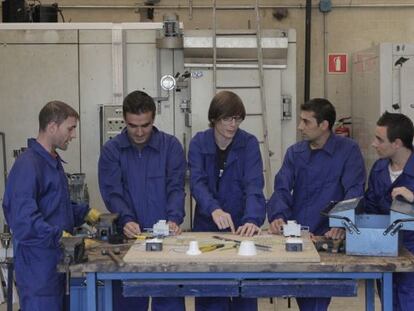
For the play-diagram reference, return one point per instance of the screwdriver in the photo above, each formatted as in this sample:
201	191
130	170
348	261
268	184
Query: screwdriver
210	248
142	237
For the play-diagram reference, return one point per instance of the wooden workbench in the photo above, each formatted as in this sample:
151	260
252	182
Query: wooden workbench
164	263
244	272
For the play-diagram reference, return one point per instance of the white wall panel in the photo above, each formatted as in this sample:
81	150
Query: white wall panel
95	90
31	76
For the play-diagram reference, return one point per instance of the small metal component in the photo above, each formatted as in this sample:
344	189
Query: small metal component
106	227
350	226
5	237
396	226
172	37
286	107
73	250
323	244
294	244
154	245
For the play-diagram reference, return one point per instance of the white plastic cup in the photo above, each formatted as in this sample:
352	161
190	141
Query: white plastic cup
193	249
247	248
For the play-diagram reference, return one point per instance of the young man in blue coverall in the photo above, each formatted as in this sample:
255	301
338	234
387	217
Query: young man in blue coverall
322	168
141	177
392	176
227	182
38	210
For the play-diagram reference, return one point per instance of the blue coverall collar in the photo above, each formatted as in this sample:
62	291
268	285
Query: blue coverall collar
211	146
33	144
154	141
329	146
408	168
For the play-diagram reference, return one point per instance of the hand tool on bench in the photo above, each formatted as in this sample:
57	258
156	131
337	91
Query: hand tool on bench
258	246
113	254
210	248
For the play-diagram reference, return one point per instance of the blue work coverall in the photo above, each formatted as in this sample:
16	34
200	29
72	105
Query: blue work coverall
238	192
378	201
308	181
37	208
143	186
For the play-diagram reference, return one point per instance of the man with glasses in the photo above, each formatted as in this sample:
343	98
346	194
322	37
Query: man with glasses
322	168
141	177
226	180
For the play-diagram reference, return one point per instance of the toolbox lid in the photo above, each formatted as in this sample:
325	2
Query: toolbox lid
402	207
346	205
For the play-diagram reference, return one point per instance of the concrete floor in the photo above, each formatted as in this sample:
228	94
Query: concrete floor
281	304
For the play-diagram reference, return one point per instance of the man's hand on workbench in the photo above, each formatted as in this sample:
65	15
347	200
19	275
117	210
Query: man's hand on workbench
248	229
131	229
223	220
404	192
335	234
276	226
174	228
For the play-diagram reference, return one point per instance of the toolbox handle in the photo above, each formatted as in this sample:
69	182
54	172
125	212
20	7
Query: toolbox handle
396	226
348	224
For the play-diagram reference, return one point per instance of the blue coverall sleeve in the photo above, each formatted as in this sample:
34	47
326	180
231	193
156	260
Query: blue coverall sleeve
176	166
22	211
253	182
199	179
111	184
280	203
353	176
79	213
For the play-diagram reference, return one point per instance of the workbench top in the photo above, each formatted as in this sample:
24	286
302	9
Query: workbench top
328	263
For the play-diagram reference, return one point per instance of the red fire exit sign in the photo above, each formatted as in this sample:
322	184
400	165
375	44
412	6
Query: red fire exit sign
337	63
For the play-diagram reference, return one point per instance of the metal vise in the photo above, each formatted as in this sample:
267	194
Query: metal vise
73	250
106	226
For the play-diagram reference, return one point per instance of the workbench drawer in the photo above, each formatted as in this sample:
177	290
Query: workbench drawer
181	288
299	288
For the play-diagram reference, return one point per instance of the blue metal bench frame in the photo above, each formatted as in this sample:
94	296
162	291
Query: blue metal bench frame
369	277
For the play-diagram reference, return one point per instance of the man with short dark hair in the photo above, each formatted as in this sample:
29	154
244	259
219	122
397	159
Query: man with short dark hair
141	177
392	175
322	168
38	210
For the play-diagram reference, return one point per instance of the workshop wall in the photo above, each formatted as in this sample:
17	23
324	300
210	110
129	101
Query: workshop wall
351	25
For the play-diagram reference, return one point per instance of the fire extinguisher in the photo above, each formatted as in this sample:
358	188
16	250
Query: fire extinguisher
341	127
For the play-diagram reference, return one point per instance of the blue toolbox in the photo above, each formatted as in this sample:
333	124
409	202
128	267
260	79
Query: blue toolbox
371	234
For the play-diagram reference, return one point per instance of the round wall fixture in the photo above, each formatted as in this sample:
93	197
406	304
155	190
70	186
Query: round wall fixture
168	82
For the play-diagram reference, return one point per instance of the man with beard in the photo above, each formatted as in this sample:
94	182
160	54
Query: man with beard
39	211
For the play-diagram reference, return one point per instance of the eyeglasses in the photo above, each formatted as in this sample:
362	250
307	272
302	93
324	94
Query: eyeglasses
229	120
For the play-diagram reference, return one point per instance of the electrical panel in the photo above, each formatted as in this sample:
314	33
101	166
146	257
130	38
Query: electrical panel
112	122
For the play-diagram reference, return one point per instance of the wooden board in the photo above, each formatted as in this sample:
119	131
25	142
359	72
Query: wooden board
174	250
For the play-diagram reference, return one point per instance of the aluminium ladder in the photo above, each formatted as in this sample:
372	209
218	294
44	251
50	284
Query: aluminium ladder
252	63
